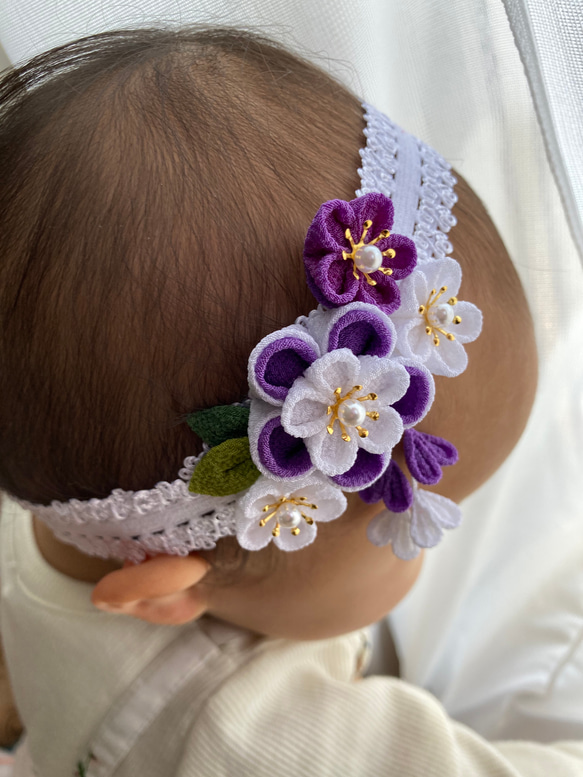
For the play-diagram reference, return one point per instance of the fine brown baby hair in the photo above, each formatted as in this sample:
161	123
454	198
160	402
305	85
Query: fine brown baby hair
155	191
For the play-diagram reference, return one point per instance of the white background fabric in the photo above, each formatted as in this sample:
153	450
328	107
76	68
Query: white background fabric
494	625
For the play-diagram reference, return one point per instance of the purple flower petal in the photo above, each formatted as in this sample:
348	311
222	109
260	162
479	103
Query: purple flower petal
405	259
330	277
418	398
393	487
363	332
367	468
375	207
280	363
385	295
331	280
280	453
426	454
398	495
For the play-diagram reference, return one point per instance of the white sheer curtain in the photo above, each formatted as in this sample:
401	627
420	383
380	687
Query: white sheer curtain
495	625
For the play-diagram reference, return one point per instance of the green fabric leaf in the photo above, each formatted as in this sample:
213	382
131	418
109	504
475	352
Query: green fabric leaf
220	423
225	469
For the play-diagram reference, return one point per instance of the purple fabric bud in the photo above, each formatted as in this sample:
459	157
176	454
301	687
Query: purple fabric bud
412	406
335	281
280	363
366	468
426	455
393	488
363	333
280	453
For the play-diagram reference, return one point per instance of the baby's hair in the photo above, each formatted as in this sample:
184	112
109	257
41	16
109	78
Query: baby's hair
155	191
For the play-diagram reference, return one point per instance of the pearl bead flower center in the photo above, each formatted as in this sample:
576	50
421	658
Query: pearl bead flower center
349	411
367	257
287	512
438	317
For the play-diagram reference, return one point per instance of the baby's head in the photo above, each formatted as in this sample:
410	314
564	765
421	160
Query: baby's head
156	188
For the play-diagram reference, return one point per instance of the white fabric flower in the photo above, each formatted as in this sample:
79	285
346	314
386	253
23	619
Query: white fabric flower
432	326
343	402
286	513
420	527
394	528
430	515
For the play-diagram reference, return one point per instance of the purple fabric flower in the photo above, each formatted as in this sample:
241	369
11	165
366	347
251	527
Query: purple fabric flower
393	488
426	454
350	255
322	393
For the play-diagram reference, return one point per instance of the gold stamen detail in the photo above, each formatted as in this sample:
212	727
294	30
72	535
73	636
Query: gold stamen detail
333	411
373	414
431	329
390	252
372	395
298	501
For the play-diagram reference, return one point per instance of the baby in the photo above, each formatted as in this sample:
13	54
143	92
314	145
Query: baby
156	192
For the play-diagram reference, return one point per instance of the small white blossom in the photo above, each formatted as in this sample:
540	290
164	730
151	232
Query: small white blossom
286	512
432	325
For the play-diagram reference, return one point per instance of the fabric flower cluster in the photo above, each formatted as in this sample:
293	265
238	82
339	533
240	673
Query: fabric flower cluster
332	394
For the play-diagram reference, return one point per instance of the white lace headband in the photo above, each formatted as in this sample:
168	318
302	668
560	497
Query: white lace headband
331	395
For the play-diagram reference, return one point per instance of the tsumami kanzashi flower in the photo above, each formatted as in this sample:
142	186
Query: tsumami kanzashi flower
432	325
340	412
350	254
420	527
286	513
343	403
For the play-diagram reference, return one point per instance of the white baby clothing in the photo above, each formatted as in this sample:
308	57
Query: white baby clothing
105	695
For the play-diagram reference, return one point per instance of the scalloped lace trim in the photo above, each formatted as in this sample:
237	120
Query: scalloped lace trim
173	520
170	519
433	218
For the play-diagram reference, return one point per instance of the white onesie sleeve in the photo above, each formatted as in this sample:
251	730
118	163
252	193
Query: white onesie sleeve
291	712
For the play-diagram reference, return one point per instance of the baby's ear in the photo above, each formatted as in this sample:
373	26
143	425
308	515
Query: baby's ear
160	590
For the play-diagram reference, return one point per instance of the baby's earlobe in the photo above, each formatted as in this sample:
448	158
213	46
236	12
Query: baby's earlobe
160	590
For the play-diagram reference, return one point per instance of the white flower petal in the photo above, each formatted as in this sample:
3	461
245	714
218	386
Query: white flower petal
471	322
449	358
384	433
394	528
442	272
337	369
414	292
288	541
319	323
418	344
250	535
431	513
330	453
305	410
385	377
329	499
